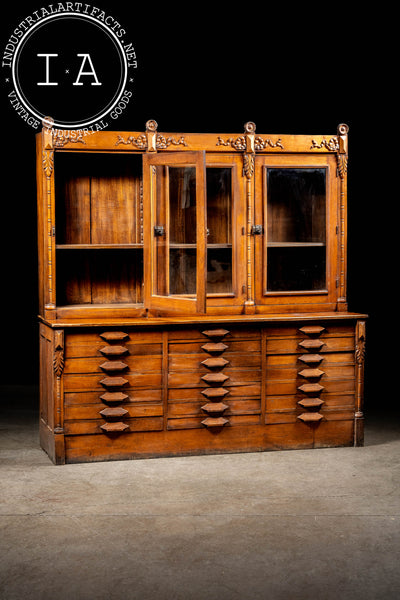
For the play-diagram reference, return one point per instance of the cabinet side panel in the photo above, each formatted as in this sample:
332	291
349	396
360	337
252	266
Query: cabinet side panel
46	391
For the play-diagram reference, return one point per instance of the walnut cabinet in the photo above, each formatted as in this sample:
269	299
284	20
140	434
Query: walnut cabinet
193	294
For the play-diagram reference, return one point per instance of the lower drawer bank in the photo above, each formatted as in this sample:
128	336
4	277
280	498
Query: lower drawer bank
145	390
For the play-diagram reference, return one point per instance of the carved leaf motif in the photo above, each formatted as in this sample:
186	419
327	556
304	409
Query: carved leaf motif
248	165
360	351
342	161
58	362
48	162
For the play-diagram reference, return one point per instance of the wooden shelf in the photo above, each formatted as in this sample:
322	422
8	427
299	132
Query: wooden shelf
294	244
209	246
99	246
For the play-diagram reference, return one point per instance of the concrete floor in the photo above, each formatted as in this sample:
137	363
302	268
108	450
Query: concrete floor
295	525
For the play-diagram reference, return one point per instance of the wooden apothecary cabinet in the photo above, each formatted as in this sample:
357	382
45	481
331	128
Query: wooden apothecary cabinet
193	294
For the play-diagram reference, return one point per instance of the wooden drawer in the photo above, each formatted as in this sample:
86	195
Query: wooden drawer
89	344
292	345
276	387
188	379
234	333
242	346
249	390
327	372
235	407
92	411
74	382
182	362
298	330
300	361
291	402
196	422
136	363
293	417
139	395
94	426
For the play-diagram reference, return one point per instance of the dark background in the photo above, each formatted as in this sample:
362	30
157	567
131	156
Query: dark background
210	68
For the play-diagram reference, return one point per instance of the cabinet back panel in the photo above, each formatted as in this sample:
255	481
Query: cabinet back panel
98	199
99	276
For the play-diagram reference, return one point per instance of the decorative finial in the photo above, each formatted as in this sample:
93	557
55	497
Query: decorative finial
249	127
151	125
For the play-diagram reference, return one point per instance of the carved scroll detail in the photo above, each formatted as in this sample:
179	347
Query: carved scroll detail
239	143
332	145
261	144
141	141
61	139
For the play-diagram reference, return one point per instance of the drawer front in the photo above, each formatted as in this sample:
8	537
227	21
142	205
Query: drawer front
214	380
113	382
310	374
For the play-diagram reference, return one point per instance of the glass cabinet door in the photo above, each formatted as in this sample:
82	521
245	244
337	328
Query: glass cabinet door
175	231
296	229
295	253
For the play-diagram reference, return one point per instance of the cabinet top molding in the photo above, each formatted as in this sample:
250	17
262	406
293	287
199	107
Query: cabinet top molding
150	140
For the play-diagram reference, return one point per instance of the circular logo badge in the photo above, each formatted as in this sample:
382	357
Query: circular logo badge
74	67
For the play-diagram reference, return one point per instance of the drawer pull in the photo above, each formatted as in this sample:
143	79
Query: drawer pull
311	417
215	362
311	402
114	350
311	344
312	329
215	392
114	397
113	365
114	381
311	373
113	412
311	359
113	336
215	378
216	347
215	333
215	407
118	427
215	422
311	388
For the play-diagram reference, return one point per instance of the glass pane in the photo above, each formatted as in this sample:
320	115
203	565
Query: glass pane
296	216
182	230
219	225
182	271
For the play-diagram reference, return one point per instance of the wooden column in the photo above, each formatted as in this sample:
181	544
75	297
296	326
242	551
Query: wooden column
342	159
248	169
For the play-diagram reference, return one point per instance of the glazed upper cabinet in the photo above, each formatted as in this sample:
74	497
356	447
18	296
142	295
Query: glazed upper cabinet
144	224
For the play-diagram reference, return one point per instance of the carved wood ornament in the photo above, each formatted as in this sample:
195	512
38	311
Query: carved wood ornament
151	141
